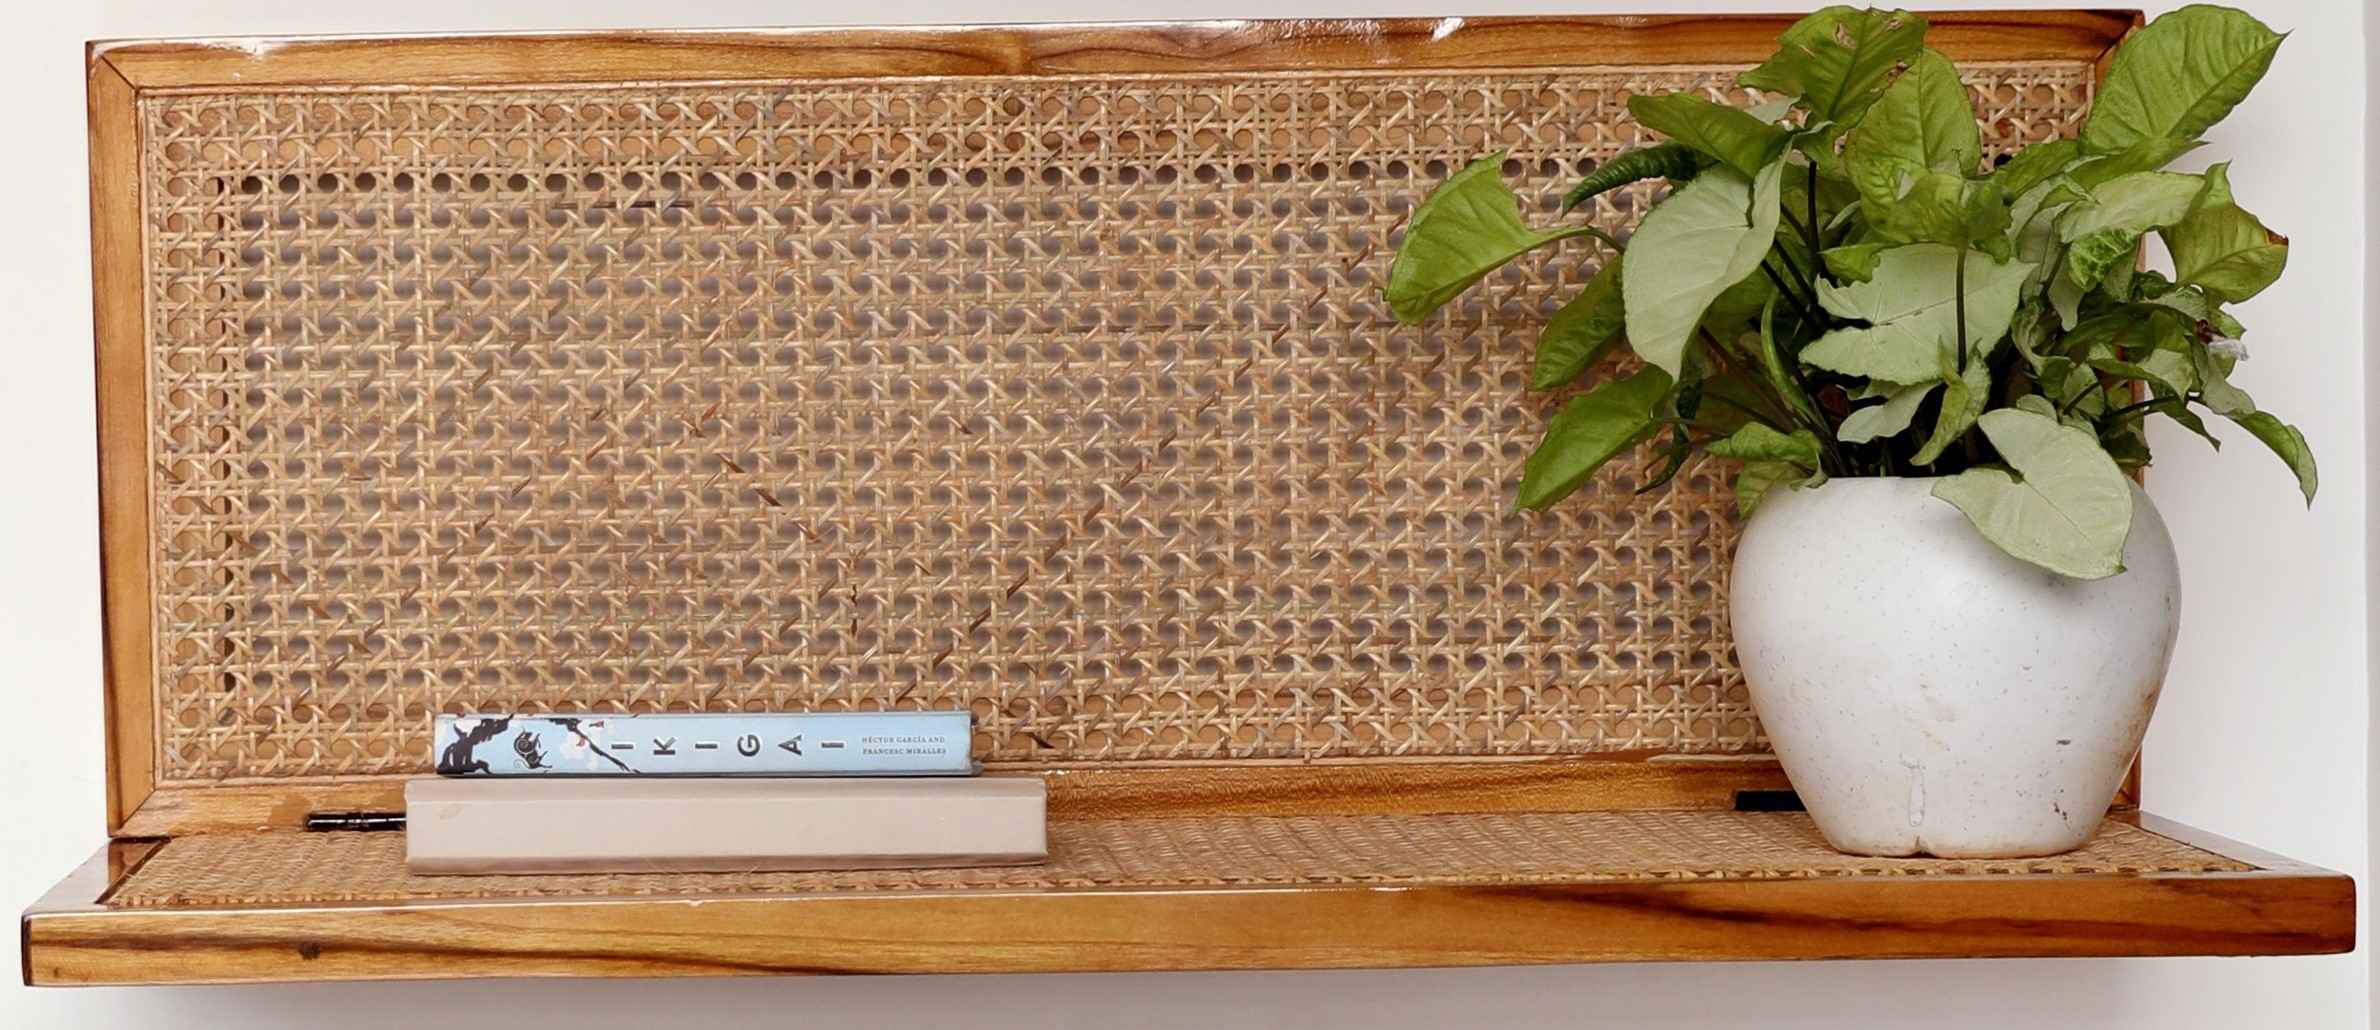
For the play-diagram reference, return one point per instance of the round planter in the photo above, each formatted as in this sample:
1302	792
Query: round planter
1928	694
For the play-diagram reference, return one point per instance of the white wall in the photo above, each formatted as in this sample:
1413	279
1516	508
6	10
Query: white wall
2262	735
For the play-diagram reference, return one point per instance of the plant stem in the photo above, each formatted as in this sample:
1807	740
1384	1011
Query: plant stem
1961	300
1761	417
2129	410
1808	314
1779	418
1810	230
1809	282
2067	406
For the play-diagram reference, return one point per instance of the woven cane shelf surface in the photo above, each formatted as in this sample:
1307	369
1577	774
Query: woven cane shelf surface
1037	371
1304	851
1070	401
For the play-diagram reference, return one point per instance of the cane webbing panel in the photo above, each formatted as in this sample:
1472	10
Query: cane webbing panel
1071	401
293	867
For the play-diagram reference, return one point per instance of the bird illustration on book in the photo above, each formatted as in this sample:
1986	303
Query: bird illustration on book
457	759
525	746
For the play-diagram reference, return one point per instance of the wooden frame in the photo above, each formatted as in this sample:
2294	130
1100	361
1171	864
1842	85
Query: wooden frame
2280	908
73	937
1129	48
121	72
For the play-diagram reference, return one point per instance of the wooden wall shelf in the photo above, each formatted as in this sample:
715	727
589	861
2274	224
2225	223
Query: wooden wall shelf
1038	371
1206	893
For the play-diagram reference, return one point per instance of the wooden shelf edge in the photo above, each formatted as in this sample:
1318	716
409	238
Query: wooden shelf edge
71	939
1225	47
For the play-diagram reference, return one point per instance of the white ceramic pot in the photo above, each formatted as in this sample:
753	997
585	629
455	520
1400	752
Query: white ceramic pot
1928	694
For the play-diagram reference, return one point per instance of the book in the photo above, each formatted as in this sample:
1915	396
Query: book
649	825
707	744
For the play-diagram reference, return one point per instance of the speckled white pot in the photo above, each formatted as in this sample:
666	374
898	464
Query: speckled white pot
1930	695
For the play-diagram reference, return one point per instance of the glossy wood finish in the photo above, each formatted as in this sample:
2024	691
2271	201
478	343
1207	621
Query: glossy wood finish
1358	787
73	937
2284	909
1216	47
118	323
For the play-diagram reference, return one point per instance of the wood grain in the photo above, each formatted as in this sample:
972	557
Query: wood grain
1219	47
1638	781
2266	912
72	936
119	325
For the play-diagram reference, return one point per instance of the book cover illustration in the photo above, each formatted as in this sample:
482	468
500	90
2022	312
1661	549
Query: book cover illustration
737	744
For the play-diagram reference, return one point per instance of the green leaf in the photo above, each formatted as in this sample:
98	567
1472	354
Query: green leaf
2079	391
1583	331
2066	506
1839	59
1733	310
2179	410
1756	442
2214	385
2121	369
2089	259
1910	311
1780	376
1912	156
1922	122
2035	217
1660	161
1469	226
2137	202
1855	262
2284	440
2066	296
1877	421
2178	75
2152	340
1963	398
2127	444
1730	135
2104	230
2035	165
2037	404
1775	109
2171	368
2194	304
2030	331
1940	207
2223	250
1589	431
2148	155
1724	402
1754	482
1706	237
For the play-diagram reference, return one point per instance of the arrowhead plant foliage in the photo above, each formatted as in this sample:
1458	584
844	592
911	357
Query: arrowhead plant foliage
1838	283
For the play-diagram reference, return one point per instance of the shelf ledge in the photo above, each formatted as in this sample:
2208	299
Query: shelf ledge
1205	893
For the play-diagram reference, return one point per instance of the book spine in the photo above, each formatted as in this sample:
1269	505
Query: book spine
777	744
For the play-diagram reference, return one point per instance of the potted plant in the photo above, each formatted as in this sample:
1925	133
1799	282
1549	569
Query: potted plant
1952	604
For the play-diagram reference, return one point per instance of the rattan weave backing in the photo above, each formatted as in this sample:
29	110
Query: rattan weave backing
1067	400
286	867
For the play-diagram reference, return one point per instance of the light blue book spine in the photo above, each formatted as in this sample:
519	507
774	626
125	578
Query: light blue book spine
774	744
